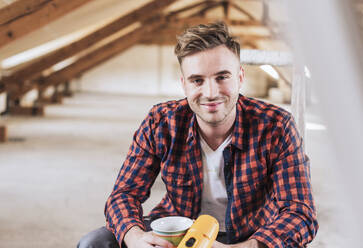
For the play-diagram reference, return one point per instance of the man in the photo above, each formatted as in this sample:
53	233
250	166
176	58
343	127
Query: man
219	153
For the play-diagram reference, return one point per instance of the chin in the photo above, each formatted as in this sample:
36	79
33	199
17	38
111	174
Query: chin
214	120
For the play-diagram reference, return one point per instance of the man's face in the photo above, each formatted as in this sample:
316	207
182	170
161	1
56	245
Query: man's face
211	82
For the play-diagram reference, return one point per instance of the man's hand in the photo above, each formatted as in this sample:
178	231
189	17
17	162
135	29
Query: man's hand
137	238
252	243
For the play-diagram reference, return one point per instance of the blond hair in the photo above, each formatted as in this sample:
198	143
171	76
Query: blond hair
205	36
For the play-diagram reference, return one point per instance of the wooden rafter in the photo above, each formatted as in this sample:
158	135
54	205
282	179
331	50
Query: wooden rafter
194	20
143	33
24	16
210	6
2	88
265	12
63	53
167	36
102	54
91	59
189	7
18	9
243	11
226	5
282	76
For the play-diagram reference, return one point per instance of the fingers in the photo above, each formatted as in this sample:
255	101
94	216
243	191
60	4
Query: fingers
156	241
137	238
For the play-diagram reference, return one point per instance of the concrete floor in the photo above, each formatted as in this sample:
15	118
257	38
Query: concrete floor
56	171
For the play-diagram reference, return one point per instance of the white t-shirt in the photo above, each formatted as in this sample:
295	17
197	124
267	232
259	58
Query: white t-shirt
214	196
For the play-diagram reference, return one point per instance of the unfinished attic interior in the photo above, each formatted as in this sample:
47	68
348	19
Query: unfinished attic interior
78	77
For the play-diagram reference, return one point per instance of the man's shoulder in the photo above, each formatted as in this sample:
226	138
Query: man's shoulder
255	108
170	109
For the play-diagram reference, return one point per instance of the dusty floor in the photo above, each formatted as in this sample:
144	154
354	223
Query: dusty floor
57	171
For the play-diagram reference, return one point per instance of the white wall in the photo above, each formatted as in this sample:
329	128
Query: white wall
149	70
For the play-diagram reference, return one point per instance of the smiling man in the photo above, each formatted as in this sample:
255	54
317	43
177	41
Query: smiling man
211	81
219	153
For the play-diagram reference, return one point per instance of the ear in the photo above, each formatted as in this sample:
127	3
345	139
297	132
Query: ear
241	77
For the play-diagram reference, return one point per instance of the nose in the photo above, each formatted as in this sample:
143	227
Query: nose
210	89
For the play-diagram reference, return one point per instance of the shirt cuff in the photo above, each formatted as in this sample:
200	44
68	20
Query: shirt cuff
123	228
268	237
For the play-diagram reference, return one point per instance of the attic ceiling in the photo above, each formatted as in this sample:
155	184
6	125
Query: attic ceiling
96	13
71	37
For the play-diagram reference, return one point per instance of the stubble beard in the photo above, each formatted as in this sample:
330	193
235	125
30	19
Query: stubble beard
211	120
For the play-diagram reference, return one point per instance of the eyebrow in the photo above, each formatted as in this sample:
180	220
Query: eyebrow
223	72
194	76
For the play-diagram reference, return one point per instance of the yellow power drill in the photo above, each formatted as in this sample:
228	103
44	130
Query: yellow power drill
201	234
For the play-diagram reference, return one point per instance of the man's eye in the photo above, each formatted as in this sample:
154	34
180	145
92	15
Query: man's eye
222	77
198	81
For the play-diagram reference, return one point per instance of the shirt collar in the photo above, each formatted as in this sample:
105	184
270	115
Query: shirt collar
193	129
238	125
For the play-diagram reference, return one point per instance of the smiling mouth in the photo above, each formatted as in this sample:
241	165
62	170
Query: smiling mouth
212	107
211	103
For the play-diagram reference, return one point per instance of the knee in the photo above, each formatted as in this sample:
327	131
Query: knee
98	238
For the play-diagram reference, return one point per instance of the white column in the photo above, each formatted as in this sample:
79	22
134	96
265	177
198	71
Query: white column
298	99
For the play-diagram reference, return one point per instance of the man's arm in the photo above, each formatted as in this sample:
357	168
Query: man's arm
123	208
296	225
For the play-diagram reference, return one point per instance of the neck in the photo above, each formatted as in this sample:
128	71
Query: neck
214	135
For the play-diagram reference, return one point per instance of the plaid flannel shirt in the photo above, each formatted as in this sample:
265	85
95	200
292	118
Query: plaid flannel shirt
266	171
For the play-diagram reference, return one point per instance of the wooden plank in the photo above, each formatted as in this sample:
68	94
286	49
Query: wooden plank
102	54
42	12
18	9
27	111
189	7
168	37
282	76
67	90
245	23
265	13
243	11
2	88
195	20
140	14
55	98
3	134
226	5
210	6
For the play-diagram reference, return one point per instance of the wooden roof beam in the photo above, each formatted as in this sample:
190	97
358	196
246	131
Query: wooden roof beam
189	7
243	11
225	5
265	12
18	9
103	53
282	76
195	20
168	37
25	16
211	5
63	53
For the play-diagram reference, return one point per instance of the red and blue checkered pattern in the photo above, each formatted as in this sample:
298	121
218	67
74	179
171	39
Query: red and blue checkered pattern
266	172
